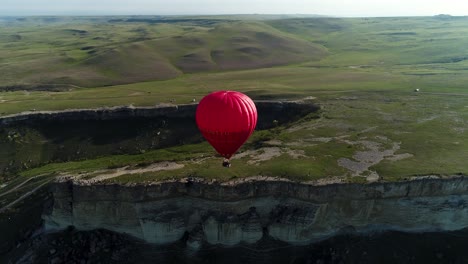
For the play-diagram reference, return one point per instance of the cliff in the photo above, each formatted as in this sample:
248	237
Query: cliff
245	211
35	138
268	111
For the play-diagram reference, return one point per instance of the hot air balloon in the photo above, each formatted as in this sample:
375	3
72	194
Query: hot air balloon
226	119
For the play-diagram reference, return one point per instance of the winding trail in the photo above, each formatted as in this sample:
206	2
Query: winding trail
109	174
24	196
17	186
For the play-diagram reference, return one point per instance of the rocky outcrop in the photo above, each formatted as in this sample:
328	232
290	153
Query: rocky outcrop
245	211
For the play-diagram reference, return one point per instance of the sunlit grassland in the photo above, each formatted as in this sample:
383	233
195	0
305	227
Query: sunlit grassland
280	82
430	128
179	153
363	54
365	84
108	51
292	82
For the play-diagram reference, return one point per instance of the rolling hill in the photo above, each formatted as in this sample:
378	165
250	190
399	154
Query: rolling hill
89	54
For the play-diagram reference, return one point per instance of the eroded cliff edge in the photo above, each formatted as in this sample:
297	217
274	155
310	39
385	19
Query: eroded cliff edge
244	211
33	139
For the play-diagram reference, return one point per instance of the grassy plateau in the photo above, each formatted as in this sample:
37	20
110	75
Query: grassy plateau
363	72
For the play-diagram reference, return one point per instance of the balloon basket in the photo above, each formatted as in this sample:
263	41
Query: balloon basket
226	163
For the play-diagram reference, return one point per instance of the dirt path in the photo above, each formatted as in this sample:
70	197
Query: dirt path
24	196
160	166
17	186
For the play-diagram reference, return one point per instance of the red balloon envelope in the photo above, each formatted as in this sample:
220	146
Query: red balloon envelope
226	120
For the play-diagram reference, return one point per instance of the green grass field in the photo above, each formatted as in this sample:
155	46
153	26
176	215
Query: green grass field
362	71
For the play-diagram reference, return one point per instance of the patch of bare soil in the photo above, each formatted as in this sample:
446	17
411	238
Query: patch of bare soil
265	154
327	181
400	156
95	177
296	154
274	142
374	154
322	139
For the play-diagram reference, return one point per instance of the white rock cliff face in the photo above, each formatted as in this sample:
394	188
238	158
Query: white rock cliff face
244	212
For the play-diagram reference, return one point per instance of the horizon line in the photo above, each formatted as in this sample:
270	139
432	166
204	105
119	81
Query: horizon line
218	14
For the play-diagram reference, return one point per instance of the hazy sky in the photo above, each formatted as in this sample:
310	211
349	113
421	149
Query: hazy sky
178	7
